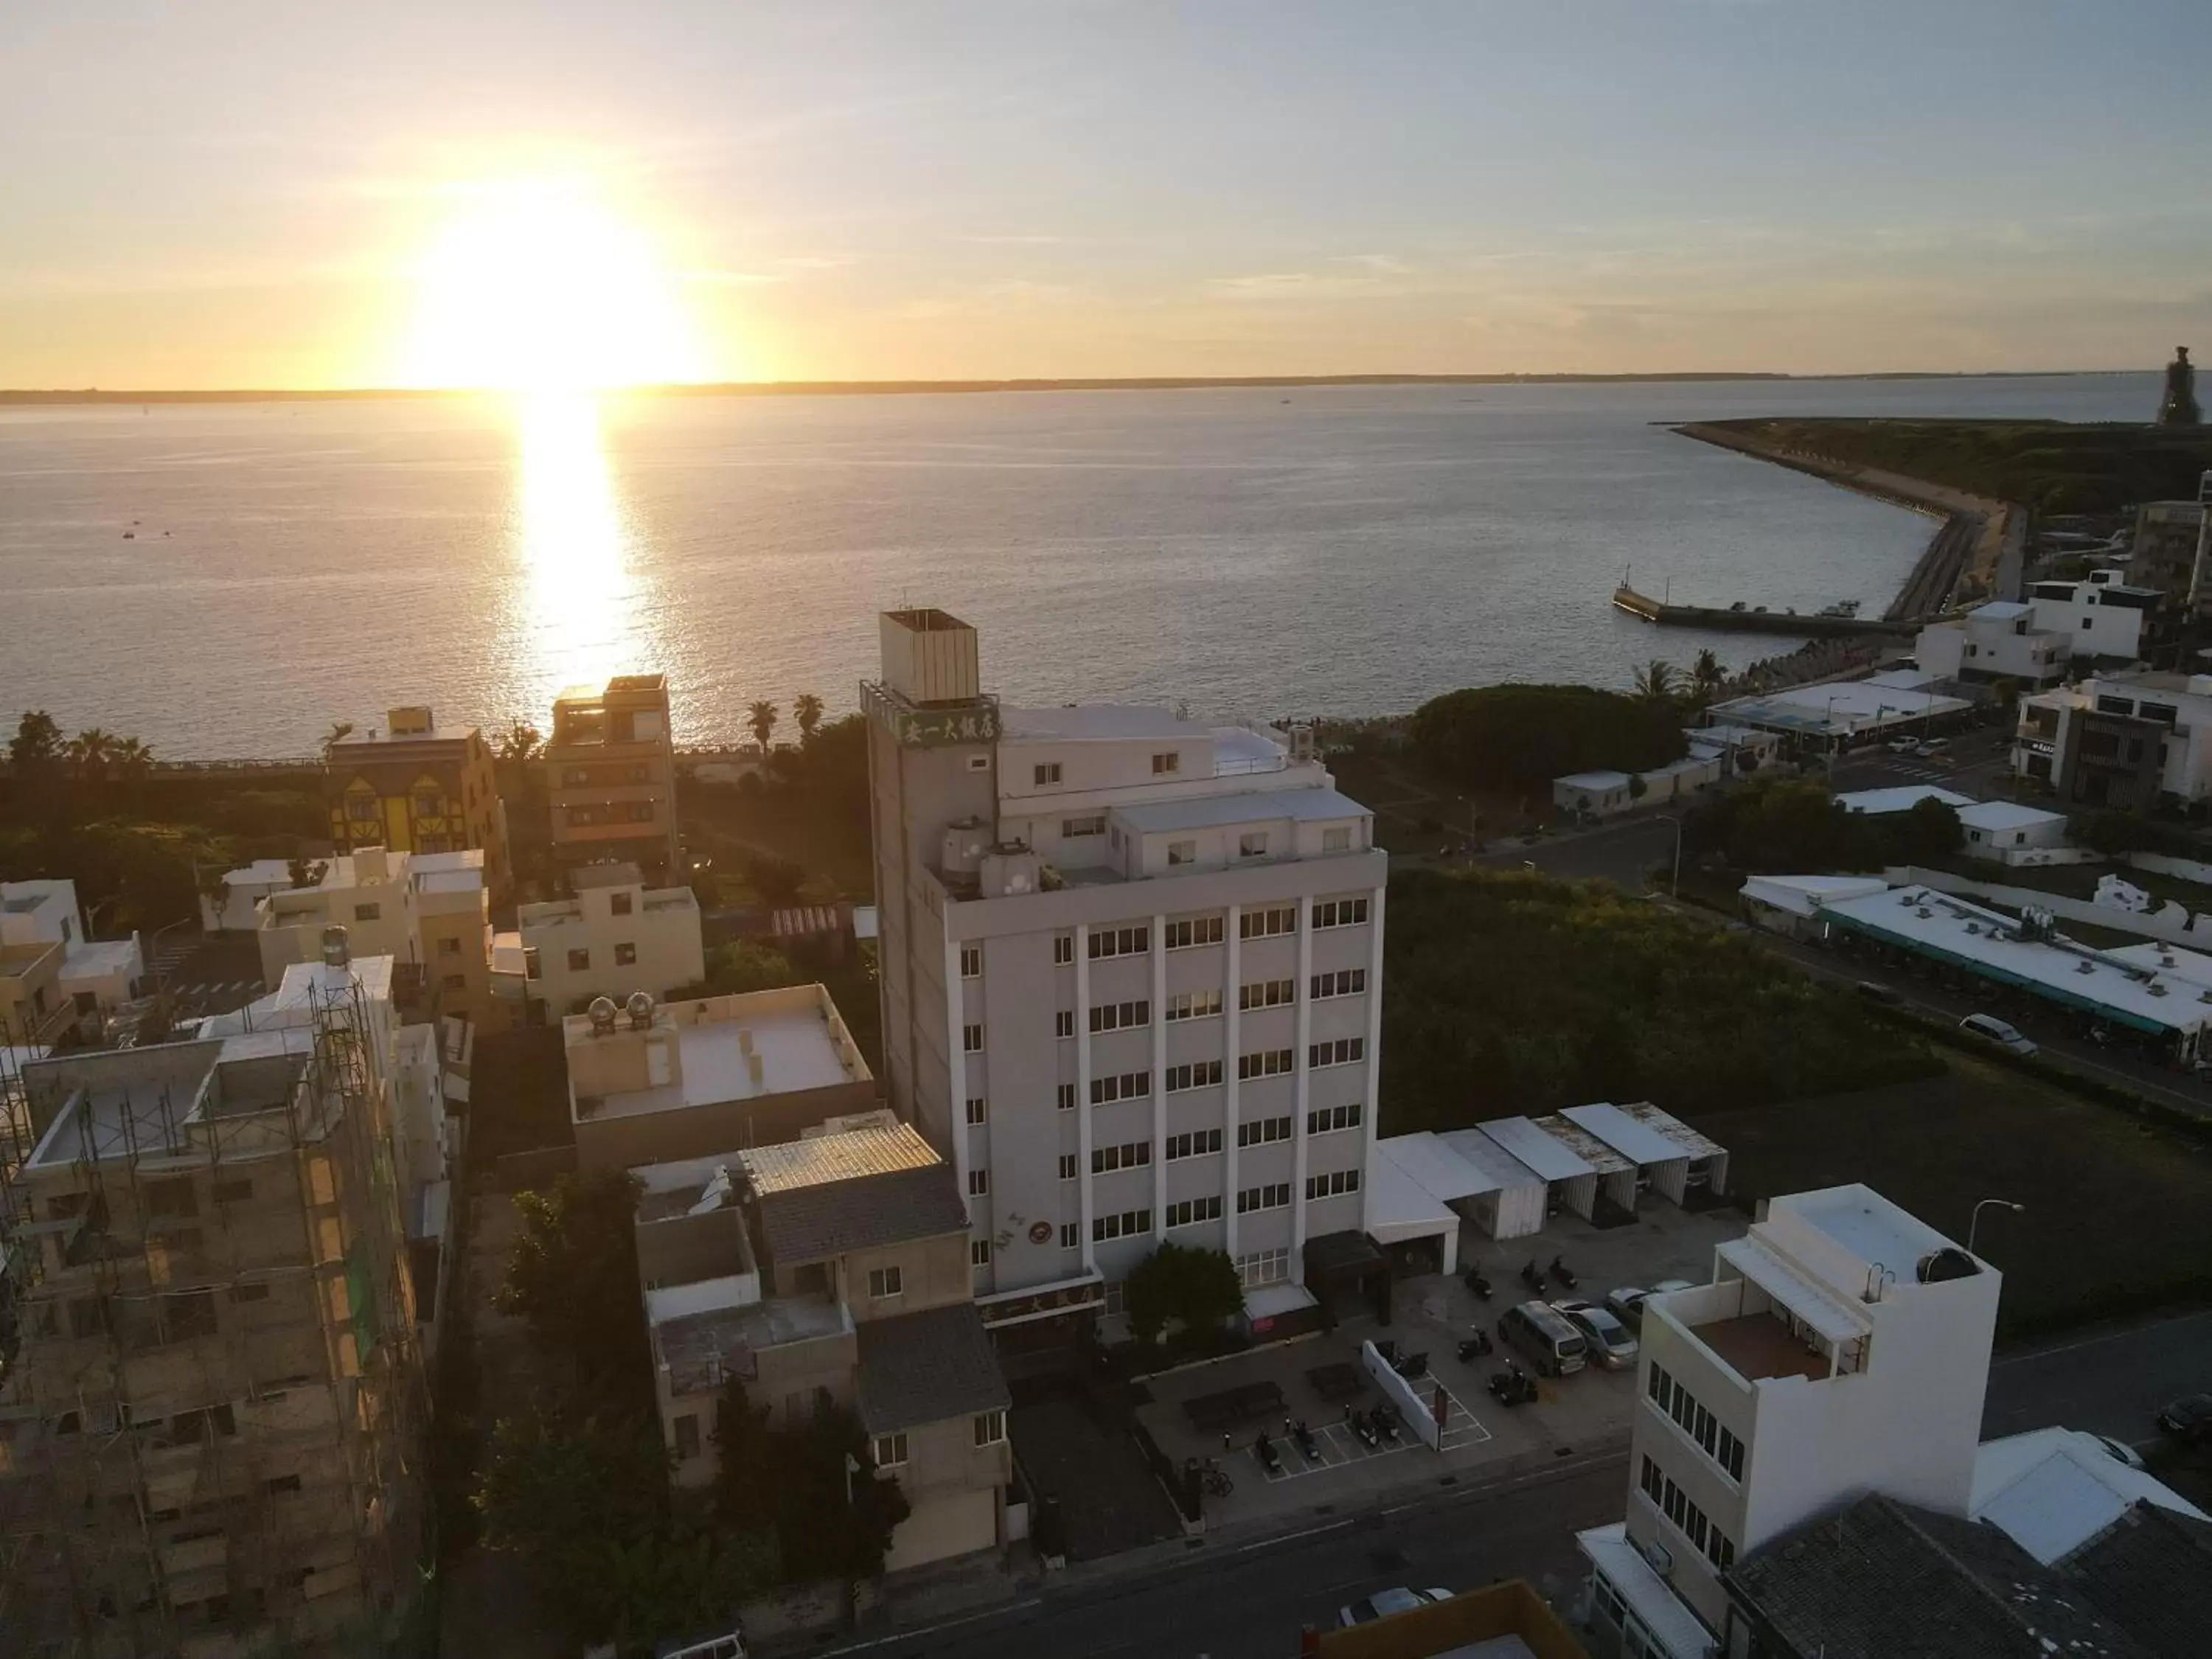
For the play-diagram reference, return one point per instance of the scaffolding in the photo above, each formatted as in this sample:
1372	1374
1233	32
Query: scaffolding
212	1396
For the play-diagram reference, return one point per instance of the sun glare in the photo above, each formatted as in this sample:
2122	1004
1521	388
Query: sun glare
539	288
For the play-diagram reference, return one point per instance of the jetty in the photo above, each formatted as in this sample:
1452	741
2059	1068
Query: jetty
1740	619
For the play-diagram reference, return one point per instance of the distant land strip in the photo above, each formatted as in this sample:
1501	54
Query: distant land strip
877	388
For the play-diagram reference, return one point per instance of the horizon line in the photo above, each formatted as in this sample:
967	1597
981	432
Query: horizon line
35	395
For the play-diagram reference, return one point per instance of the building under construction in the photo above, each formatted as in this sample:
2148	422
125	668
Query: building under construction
212	1400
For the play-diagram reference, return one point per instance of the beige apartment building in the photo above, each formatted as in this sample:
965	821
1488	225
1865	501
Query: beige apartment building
650	1081
34	1008
1131	979
415	787
834	1264
614	937
611	777
212	1400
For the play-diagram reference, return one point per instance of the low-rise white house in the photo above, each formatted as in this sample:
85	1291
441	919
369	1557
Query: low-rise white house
1999	640
94	975
615	937
1995	827
232	909
2101	617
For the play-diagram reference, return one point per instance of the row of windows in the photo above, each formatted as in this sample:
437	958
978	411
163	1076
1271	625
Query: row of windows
1700	1424
1191	1210
1121	1015
1272	1062
1121	1085
1340	913
1129	1155
1259	1267
1194	1004
1093	824
1198	1074
612	811
1262	1132
1344	983
1345	1051
1129	1224
1689	1520
1120	942
580	962
1267	994
1327	1118
1198	930
1197	1144
988	1429
1337	1182
1265	924
1275	1195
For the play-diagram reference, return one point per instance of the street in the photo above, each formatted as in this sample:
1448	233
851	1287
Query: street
2108	1382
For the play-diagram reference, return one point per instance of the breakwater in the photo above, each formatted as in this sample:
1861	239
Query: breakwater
1790	624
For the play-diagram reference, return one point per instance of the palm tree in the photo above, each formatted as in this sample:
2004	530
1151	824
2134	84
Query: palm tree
761	718
520	744
133	759
1707	677
339	734
1656	681
806	708
89	752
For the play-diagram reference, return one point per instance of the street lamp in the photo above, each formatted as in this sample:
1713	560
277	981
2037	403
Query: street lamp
1972	1225
1674	886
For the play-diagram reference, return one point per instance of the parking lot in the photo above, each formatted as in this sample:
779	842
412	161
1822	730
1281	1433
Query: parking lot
1430	1315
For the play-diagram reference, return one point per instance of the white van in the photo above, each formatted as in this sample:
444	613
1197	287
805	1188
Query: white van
1553	1345
731	1645
1991	1029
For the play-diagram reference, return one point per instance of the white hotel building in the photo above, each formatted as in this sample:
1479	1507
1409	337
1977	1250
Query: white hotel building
1131	976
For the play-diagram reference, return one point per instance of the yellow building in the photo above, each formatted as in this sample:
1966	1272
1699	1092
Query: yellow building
415	788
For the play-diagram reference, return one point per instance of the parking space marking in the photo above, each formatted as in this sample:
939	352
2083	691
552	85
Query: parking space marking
1338	1446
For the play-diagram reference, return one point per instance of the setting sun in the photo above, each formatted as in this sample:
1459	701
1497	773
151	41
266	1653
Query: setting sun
540	287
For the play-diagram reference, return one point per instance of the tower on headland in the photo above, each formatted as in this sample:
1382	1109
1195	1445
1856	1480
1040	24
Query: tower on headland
2178	406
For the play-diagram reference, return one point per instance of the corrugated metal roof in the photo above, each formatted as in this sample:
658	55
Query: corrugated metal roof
845	1156
1637	1142
1550	1158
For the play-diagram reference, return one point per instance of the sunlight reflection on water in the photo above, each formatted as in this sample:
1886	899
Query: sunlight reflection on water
578	624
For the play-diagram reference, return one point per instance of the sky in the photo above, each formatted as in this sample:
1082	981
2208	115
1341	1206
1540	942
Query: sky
221	193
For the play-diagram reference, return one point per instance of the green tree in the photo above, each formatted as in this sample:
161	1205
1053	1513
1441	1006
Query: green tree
747	1453
806	709
822	1532
760	721
1655	682
521	744
1198	1288
133	759
573	1275
1930	830
1637	789
35	750
776	880
89	752
1707	676
745	965
1518	736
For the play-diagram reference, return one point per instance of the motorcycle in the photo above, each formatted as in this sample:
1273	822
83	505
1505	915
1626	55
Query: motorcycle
1413	1365
1477	1284
1386	1424
1307	1445
1473	1347
1512	1386
1532	1277
1560	1272
1362	1429
1270	1459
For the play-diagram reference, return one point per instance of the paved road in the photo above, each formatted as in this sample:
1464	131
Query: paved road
2108	1382
1247	1602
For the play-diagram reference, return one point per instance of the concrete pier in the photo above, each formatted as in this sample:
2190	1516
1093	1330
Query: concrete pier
1789	624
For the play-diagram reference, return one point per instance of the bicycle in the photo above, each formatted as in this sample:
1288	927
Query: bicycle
1213	1479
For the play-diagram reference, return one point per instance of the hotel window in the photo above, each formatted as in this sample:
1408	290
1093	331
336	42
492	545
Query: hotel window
1261	1131
1120	942
1071	1236
1163	764
1273	1062
368	912
1198	1074
1263	924
1129	1155
618	904
1046	772
971	962
1338	840
1072	829
1267	994
990	1428
890	1451
979	1252
1198	930
1063	1022
978	1182
1190	1211
1333	1184
1253	844
1329	1119
1063	948
1194	1005
1182	851
1276	1195
1196	1144
971	1039
1067	1097
625	955
1345	1051
886	1281
978	1111
1344	983
1259	1267
1121	1015
1069	1167
579	961
449	947
1340	913
1121	1085
1129	1224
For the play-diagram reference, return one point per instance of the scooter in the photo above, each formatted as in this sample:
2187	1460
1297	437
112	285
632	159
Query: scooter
1386	1424
1473	1347
1532	1277
1560	1272
1512	1386
1306	1443
1477	1284
1364	1429
1270	1459
1413	1365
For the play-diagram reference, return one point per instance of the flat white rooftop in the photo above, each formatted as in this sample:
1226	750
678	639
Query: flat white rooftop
2052	1489
1212	812
99	958
1840	707
1865	1223
796	1051
1094	722
1599	781
1802	895
1879	803
2001	814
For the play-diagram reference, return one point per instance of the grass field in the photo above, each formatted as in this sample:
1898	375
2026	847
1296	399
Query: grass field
2119	1214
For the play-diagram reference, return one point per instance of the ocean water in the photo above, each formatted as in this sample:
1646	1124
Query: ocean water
1248	552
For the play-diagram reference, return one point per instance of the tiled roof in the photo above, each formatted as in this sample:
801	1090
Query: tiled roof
2150	1572
927	1367
811	1224
1885	1580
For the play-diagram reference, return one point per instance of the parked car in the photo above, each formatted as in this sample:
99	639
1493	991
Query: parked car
2003	1033
2189	1419
1931	746
1552	1343
1610	1344
2121	1451
1902	745
1875	991
1666	1284
1626	1304
1381	1605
